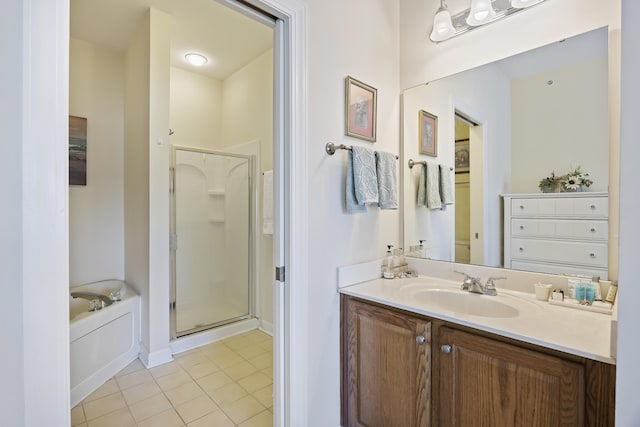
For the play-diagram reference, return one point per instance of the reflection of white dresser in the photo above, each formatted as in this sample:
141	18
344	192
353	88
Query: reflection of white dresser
557	233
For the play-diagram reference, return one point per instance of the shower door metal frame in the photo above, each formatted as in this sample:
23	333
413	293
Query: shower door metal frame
173	241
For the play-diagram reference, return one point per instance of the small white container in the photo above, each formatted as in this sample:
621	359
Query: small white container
542	291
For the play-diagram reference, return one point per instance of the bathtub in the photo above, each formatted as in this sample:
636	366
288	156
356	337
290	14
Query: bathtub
102	342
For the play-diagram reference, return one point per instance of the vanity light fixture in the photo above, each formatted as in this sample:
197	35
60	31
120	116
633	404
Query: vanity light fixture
480	12
196	59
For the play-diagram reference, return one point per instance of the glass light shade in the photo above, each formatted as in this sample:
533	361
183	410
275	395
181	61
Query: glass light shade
442	26
521	4
481	12
196	59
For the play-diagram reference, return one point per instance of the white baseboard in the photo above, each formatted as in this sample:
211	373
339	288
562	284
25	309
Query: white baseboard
212	335
150	360
266	327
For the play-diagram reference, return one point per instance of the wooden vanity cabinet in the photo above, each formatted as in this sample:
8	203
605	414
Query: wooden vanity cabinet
386	359
461	376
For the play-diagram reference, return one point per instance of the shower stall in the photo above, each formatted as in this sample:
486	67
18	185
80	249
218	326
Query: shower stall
211	250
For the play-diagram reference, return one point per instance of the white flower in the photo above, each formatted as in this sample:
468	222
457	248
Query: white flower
572	183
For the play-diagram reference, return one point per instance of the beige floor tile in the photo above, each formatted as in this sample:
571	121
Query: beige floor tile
105	389
81	425
201	369
267	345
227	359
191	358
133	379
184	393
268	372
242	409
237	342
240	370
214	419
166	369
119	418
141	392
257	336
77	416
251	351
168	418
149	407
134	366
104	405
265	396
263	361
214	381
263	419
174	380
227	394
196	408
255	381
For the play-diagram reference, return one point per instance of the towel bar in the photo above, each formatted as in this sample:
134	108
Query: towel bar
331	148
412	163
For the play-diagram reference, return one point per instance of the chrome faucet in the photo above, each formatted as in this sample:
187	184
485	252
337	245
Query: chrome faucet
474	284
91	296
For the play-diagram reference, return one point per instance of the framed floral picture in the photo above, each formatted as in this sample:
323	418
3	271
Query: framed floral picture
360	110
428	133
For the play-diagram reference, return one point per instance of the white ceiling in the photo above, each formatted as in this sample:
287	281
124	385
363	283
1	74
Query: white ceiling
226	37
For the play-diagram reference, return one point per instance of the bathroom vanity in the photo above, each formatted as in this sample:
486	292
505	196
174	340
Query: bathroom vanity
419	352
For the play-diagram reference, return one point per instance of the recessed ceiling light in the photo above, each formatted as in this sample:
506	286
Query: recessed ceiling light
196	59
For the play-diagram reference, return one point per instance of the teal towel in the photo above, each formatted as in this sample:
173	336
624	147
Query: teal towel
433	186
350	191
364	175
446	189
387	180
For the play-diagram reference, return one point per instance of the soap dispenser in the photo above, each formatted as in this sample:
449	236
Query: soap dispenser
422	252
387	264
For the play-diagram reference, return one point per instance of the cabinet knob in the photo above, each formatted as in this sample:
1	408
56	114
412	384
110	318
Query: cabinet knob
522	227
593	230
592	255
445	349
521	206
593	206
521	249
420	339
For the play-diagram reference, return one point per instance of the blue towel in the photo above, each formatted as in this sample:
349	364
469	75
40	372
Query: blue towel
364	175
387	180
350	191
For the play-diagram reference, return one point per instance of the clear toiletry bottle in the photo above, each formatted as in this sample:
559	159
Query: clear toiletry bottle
423	253
613	291
387	264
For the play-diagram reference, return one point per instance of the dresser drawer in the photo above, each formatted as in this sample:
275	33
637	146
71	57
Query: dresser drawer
560	228
540	267
558	251
580	207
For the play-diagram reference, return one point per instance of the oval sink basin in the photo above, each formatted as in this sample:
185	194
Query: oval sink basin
466	303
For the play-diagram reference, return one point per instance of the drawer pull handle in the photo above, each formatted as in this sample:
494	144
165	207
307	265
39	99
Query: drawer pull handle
521	206
420	340
521	249
593	206
592	255
522	227
593	230
446	349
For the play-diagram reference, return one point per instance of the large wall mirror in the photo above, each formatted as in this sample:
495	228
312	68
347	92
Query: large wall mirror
502	128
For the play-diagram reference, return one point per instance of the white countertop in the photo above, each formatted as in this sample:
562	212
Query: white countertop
577	332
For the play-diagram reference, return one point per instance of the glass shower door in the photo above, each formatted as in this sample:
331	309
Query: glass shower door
211	227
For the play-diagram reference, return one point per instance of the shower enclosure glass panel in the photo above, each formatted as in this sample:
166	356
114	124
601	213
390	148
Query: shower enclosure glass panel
211	226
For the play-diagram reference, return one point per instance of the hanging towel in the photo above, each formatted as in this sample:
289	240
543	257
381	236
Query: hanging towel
433	186
352	203
364	175
446	190
422	187
267	203
387	180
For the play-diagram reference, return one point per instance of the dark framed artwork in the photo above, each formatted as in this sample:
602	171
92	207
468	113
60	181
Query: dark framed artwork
462	156
428	133
360	109
77	150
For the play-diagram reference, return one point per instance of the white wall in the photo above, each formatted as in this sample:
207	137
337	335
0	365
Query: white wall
628	374
12	400
195	109
484	95
578	96
96	211
366	48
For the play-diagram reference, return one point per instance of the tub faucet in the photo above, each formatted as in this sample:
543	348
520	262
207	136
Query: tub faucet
105	300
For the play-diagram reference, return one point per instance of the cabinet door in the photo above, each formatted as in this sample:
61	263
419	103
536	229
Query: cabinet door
483	382
388	362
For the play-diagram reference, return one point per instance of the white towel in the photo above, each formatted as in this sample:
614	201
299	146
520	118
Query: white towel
350	191
433	186
422	186
387	180
267	202
364	175
446	190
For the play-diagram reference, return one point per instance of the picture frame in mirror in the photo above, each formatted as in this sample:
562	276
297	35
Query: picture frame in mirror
428	133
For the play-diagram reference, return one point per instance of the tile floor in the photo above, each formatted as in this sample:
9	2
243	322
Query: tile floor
224	384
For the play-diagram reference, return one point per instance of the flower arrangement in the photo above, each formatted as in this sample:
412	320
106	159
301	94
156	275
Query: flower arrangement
574	180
